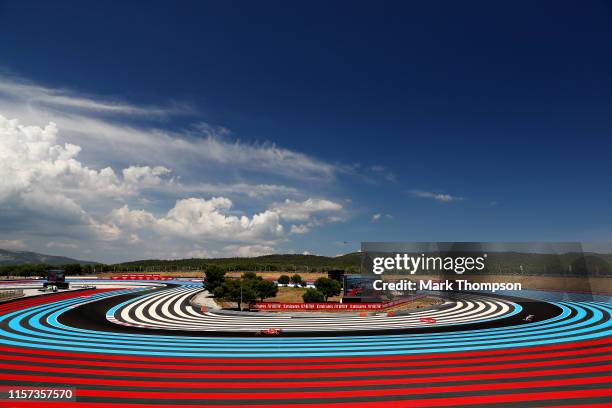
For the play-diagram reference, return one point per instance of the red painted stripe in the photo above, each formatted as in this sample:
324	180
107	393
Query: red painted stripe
39	300
175	396
352	382
396	403
591	405
335	366
308	360
170	374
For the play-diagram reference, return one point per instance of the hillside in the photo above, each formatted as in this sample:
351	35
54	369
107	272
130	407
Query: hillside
500	263
284	262
25	257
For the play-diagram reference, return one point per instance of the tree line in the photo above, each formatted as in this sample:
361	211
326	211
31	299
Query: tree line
34	270
250	287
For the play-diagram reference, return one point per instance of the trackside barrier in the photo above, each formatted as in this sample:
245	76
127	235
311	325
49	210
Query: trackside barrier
141	277
379	306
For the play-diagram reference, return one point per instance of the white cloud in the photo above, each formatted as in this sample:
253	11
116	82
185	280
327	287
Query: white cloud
247	251
12	244
299	229
102	136
303	210
145	176
196	218
198	253
107	232
63	99
85	171
445	198
131	219
247	189
378	216
33	162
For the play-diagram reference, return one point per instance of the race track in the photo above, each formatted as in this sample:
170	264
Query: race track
147	346
170	309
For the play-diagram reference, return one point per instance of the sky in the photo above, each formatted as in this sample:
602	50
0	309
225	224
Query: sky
206	129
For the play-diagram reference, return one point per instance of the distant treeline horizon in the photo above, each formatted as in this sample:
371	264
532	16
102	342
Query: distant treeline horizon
498	263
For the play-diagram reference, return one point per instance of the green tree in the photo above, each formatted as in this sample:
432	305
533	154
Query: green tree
328	287
73	269
284	280
296	280
239	291
219	292
313	296
215	277
250	276
266	289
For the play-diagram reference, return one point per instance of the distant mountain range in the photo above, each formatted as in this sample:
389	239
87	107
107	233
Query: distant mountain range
25	257
277	262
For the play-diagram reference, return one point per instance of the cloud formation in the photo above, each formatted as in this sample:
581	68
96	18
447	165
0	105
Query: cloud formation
303	210
44	179
84	175
441	197
103	128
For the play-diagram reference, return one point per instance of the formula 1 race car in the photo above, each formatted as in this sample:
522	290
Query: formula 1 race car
269	332
428	320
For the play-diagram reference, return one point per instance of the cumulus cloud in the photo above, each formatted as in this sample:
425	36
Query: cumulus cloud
303	210
195	217
33	162
76	167
145	176
445	198
42	178
200	218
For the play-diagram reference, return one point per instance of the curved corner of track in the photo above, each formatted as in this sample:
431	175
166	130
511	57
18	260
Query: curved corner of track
483	353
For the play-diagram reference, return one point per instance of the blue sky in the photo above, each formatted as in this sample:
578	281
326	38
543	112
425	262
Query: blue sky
258	127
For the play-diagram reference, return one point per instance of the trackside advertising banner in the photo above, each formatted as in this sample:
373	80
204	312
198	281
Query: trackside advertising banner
326	306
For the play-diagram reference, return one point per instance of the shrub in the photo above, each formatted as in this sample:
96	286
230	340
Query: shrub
312	296
328	287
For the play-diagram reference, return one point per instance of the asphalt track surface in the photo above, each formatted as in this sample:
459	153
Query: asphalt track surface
562	358
170	310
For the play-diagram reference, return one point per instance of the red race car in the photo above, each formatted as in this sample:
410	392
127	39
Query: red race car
269	332
428	320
